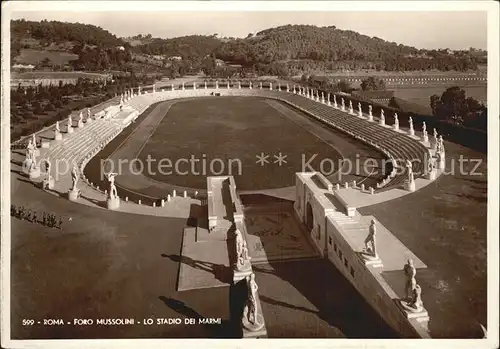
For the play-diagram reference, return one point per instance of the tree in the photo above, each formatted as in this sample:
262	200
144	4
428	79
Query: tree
372	83
453	106
343	86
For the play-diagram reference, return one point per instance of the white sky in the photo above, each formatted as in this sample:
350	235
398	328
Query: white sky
423	29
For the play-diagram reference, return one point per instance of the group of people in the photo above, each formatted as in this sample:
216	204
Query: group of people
48	219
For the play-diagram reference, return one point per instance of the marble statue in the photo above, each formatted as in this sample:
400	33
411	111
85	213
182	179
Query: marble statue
410	122
30	151
88	113
382	116
238	240
74	177
370	240
370	110
343	104
70	122
359	109
410	273
441	143
113	194
409	166
243	257
57	127
80	117
424	128
335	100
250	312
415	302
351	110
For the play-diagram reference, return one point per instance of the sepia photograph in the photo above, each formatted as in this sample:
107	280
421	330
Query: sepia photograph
238	170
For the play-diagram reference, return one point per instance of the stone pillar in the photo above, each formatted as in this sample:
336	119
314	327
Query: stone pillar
216	84
260	85
287	88
239	85
172	85
174	193
185	194
206	85
250	85
183	88
270	86
228	86
194	85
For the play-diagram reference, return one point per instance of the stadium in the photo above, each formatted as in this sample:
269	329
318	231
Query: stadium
299	172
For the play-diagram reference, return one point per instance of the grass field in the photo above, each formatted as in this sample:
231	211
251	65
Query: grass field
422	95
30	56
232	129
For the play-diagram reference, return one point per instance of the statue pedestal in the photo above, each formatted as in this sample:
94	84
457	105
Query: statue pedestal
381	122
70	129
425	139
411	132
89	120
34	173
410	186
370	117
252	328
431	175
45	145
368	259
58	136
113	203
396	127
48	183
420	315
80	124
73	194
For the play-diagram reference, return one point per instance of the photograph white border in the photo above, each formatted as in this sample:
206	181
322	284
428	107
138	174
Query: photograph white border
492	9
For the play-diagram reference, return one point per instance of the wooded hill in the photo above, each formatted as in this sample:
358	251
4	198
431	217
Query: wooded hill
294	48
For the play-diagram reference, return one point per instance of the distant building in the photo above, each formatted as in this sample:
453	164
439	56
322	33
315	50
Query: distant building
175	58
23	67
26	79
219	63
121	48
